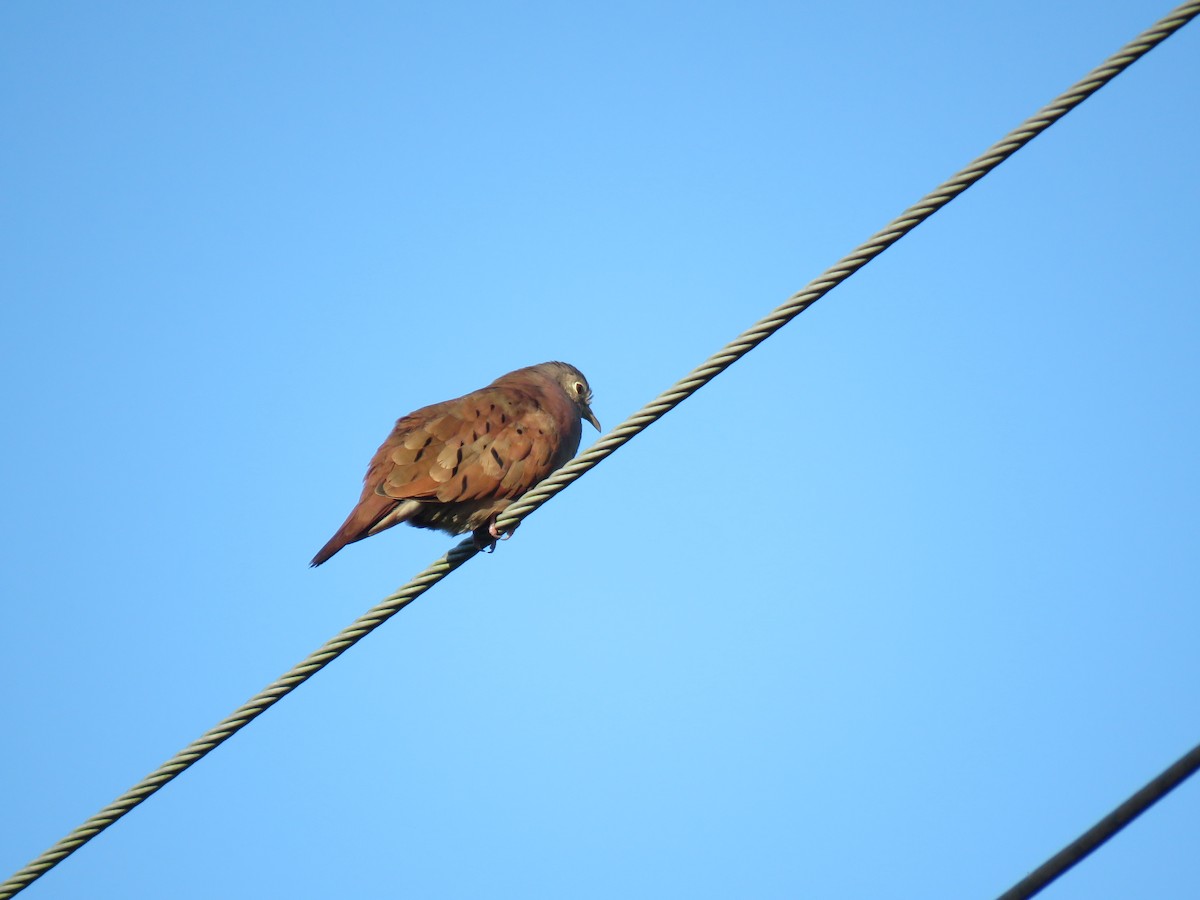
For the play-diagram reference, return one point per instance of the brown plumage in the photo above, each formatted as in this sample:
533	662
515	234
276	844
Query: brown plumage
456	465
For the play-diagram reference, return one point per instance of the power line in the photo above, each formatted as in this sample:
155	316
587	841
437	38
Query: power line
853	261
639	421
1088	842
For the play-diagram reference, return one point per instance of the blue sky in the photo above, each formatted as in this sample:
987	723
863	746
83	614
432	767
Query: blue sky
897	606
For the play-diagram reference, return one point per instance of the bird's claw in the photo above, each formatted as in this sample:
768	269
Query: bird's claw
486	538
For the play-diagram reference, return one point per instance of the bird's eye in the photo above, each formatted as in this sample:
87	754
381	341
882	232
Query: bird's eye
580	390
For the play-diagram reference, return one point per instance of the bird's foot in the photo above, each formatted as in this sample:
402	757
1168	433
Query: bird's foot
497	534
486	537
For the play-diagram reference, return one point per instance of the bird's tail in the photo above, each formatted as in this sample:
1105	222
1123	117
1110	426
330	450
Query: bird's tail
373	514
335	543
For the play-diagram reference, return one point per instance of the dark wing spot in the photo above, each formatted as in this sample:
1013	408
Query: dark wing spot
457	461
520	430
495	456
464	484
420	453
503	419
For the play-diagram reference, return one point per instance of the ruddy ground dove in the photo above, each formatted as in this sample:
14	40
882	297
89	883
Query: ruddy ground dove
456	465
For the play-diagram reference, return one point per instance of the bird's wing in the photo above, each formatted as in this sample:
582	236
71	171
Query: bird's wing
493	443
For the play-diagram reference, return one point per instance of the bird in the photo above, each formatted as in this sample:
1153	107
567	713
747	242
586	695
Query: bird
456	465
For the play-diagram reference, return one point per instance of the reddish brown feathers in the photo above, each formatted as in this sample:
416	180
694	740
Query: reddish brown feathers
455	465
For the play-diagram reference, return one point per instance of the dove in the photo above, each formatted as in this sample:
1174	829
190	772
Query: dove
456	465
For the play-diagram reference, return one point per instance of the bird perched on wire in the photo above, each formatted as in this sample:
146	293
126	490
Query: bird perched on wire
456	465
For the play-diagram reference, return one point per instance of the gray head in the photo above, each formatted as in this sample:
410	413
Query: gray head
571	380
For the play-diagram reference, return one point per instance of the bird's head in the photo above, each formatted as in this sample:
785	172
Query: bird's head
571	380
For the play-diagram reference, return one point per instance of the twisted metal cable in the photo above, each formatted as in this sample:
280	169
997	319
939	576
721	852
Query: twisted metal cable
246	713
855	260
639	421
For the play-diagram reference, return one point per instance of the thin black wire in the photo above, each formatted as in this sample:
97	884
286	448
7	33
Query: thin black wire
1088	842
639	421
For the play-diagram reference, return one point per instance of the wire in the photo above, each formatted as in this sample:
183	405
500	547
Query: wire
639	421
246	713
1083	846
852	262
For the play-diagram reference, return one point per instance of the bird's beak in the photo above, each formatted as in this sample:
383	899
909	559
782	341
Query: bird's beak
591	417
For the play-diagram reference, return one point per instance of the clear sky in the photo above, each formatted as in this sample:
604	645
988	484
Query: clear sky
896	607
